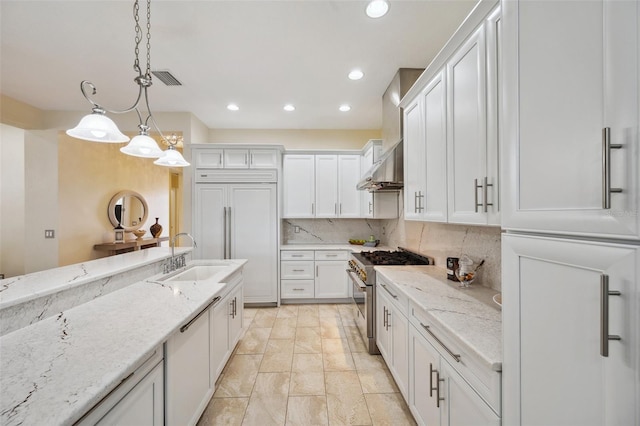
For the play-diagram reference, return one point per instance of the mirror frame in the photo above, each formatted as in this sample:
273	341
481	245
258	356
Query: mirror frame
111	210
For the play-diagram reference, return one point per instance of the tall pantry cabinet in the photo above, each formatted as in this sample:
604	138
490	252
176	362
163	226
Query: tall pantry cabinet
571	211
236	217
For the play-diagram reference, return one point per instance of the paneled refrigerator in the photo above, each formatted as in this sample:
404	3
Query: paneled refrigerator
571	212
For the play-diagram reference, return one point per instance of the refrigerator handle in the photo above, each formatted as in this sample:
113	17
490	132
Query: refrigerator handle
229	231
224	231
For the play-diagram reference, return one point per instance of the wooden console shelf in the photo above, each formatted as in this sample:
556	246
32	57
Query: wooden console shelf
131	245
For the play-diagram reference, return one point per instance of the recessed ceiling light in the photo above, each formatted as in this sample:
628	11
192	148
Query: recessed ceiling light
289	107
377	8
345	108
233	107
356	75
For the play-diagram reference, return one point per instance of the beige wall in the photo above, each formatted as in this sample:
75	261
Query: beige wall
19	114
90	174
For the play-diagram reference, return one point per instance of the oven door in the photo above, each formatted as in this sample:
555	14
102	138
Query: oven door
360	296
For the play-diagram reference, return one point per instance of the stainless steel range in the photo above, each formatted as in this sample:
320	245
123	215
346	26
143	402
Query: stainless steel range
363	277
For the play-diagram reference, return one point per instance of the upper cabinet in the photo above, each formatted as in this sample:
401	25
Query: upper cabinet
571	118
321	185
451	128
236	158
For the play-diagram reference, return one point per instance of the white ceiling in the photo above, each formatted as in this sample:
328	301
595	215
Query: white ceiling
257	54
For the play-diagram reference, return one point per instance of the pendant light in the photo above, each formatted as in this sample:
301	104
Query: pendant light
172	157
97	127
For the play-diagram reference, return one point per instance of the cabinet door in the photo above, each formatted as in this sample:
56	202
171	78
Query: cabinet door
424	360
467	121
557	361
382	331
558	105
414	172
348	177
253	227
188	384
263	159
236	158
209	158
399	345
219	326
462	405
298	184
236	317
209	221
143	405
332	280
434	202
326	185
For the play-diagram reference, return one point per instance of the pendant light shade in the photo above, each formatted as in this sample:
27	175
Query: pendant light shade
97	127
142	146
377	8
172	158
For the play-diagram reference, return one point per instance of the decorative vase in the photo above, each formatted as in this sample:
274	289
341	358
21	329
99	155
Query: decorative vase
156	229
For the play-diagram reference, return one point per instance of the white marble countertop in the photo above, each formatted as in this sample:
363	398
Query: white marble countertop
469	315
22	288
333	246
54	371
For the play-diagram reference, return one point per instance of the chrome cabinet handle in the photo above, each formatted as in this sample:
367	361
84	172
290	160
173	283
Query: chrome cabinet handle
331	255
246	159
313	209
449	351
297	270
438	398
384	317
485	194
604	315
316	270
340	209
415	202
194	319
431	371
388	316
370	207
297	289
391	294
475	194
607	146
252	158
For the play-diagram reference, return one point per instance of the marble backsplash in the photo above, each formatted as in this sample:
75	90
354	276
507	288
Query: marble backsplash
330	231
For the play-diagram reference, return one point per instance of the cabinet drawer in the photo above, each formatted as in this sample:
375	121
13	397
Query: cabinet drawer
296	255
331	255
300	289
484	381
294	269
399	299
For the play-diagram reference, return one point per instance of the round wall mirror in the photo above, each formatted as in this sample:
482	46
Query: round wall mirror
129	209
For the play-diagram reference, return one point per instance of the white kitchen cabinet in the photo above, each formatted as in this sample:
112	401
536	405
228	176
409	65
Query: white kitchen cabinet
240	221
188	383
209	158
393	332
348	195
451	128
571	88
138	400
298	182
236	158
423	402
326	188
226	326
235	304
560	361
319	274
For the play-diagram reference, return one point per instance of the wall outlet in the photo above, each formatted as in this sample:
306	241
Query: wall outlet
49	233
296	229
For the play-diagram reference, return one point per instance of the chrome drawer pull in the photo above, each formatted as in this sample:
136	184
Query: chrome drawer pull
449	351
604	315
392	295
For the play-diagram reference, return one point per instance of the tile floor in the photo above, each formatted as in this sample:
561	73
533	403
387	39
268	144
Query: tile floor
304	365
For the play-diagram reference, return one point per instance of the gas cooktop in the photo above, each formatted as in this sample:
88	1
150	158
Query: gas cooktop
399	257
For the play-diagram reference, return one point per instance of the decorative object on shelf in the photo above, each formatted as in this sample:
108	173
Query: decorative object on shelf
466	272
119	234
156	229
139	233
356	242
97	127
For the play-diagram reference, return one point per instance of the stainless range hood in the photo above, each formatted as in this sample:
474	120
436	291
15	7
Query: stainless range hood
387	173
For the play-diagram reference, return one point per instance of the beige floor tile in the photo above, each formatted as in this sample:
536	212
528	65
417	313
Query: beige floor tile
286	321
356	344
307	411
377	381
307	331
307	363
338	361
335	345
288	311
308	345
239	376
328	311
364	361
254	341
278	356
224	411
308	320
308	309
329	331
282	330
389	409
345	401
307	383
265	318
268	402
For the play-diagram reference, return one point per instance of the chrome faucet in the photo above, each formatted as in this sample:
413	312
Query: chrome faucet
179	262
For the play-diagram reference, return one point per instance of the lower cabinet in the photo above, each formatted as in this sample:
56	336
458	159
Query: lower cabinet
314	274
197	353
393	332
138	400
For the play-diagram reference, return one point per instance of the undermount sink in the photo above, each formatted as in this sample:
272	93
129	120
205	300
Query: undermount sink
198	272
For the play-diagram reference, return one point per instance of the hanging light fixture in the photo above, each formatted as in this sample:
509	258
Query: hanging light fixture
97	127
172	157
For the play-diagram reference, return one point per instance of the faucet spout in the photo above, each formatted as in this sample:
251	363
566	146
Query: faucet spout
175	237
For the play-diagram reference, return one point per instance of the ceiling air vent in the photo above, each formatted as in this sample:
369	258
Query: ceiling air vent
166	77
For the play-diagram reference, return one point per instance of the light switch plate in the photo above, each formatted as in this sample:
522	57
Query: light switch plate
49	233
